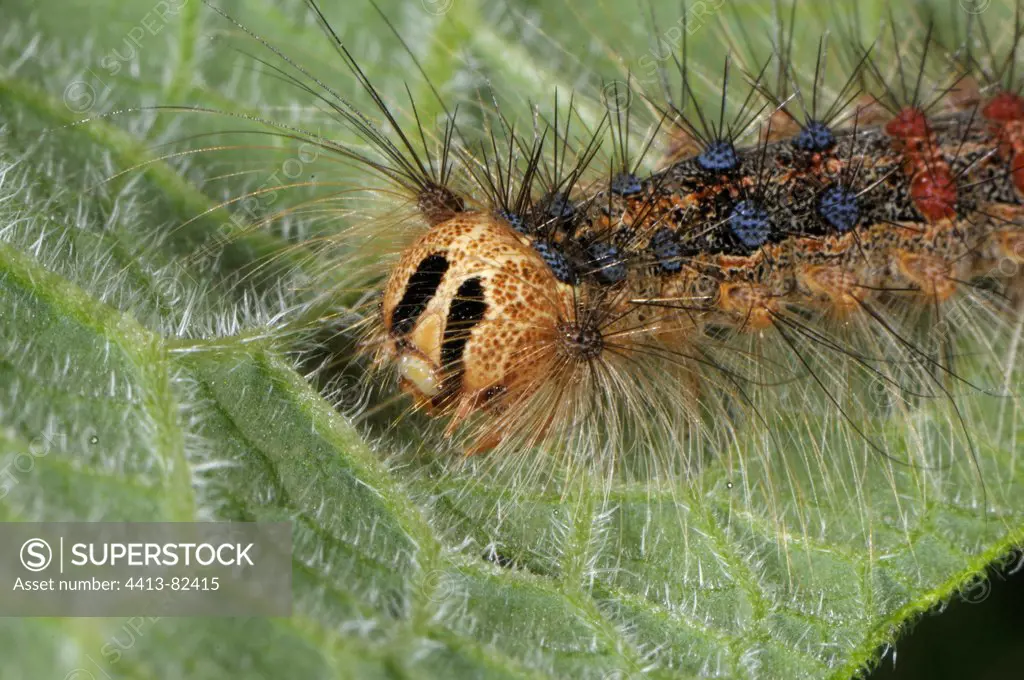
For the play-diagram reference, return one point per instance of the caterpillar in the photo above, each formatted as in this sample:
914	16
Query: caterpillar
751	298
540	291
517	305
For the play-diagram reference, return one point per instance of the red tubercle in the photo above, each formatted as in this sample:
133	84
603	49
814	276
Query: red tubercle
912	136
934	193
1005	114
920	155
1003	108
910	123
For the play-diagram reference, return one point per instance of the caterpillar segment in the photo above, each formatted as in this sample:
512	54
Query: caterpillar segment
486	308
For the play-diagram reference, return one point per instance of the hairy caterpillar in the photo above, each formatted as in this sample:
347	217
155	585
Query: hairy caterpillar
545	286
794	232
777	293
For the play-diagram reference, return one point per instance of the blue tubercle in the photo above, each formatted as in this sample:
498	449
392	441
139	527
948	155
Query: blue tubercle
840	208
815	136
750	223
558	262
559	206
666	251
607	263
626	184
515	220
719	156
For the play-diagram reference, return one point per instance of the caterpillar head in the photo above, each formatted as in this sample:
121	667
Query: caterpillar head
475	319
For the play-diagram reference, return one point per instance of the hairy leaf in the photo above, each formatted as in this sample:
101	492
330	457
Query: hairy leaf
143	378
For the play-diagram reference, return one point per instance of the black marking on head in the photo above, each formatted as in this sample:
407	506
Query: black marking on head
556	260
839	207
464	313
815	136
626	184
606	263
750	223
719	156
667	251
515	220
419	290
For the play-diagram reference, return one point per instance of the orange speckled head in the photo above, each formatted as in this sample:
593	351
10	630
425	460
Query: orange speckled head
472	316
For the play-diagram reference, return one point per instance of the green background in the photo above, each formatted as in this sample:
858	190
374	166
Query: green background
144	385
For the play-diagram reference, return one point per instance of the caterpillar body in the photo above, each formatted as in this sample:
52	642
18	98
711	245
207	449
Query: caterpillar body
804	261
485	307
535	295
513	308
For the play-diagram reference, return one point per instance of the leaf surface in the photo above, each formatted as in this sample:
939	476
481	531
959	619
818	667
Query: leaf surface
137	383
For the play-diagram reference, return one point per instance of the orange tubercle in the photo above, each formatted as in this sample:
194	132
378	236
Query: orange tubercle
834	283
930	273
752	303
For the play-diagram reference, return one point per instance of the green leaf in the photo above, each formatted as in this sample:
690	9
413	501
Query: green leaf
146	375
